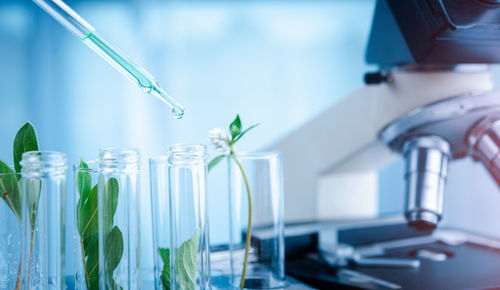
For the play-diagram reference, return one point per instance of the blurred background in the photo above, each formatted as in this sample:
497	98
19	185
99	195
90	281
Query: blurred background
278	63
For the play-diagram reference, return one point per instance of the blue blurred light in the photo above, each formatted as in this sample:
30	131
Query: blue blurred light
277	63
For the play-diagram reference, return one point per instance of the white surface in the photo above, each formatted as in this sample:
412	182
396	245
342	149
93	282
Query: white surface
347	195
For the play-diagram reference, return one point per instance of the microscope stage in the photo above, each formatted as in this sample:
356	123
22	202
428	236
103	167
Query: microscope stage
448	259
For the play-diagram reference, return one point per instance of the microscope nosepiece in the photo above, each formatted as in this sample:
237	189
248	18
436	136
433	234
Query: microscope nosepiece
426	169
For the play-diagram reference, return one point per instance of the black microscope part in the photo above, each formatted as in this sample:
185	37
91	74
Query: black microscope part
434	32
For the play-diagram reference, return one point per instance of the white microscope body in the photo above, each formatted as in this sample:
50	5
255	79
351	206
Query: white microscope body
332	162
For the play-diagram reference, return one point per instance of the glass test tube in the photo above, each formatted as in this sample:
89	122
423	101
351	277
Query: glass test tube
44	218
119	219
178	188
266	259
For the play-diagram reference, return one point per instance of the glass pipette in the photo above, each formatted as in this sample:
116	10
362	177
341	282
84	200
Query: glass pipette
112	54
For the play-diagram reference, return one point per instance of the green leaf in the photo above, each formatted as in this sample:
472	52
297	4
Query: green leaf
114	247
113	238
185	265
111	196
87	214
244	132
215	161
88	242
165	273
10	191
112	284
187	261
110	203
24	141
10	188
33	189
235	127
91	246
83	180
87	222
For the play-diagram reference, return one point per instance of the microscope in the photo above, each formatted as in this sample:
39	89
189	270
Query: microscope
439	36
430	102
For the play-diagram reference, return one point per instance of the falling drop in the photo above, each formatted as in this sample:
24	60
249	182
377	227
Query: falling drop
178	113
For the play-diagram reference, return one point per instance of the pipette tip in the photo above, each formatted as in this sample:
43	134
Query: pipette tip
177	109
177	113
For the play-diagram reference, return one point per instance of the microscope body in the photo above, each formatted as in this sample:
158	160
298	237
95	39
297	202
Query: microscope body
432	102
431	136
332	162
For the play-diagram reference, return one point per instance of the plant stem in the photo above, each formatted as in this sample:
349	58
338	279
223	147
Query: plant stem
18	282
33	233
31	255
249	229
18	215
84	264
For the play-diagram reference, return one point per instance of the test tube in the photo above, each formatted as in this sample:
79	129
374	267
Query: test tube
44	219
119	219
109	52
178	200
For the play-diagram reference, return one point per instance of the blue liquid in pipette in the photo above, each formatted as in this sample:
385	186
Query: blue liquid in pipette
132	71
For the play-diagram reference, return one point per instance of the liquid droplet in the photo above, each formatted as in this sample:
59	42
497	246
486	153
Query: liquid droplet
178	113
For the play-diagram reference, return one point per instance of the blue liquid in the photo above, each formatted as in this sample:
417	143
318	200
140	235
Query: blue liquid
132	71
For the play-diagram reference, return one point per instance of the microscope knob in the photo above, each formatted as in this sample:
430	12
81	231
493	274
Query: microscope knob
375	78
